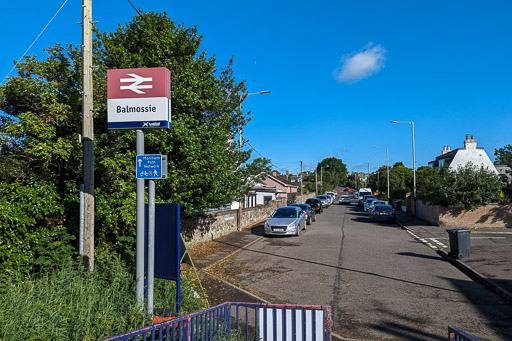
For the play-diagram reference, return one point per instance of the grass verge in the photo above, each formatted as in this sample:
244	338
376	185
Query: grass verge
73	304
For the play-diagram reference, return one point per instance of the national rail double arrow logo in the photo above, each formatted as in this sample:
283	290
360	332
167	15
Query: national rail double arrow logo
136	85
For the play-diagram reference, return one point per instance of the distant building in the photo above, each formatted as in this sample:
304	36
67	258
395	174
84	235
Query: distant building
505	172
276	180
461	156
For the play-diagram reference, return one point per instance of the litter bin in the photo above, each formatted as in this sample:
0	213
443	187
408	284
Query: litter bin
460	244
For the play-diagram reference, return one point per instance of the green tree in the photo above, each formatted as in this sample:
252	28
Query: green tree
39	132
334	173
378	181
467	187
471	187
504	157
400	181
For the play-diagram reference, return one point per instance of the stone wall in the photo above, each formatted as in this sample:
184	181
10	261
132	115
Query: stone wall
260	213
488	216
197	229
296	197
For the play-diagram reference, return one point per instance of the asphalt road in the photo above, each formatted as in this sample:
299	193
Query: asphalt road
381	283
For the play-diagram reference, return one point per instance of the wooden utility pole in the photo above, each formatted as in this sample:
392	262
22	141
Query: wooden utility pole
301	200
88	134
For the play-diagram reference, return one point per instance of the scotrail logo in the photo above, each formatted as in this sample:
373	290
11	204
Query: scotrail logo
136	86
150	124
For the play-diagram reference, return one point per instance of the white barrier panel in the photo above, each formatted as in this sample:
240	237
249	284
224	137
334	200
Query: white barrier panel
313	322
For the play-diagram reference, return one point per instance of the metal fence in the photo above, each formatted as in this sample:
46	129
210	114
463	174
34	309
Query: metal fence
455	334
241	321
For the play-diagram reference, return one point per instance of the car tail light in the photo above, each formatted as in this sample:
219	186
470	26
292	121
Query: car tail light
392	213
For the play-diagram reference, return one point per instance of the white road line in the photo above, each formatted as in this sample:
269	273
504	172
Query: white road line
437	242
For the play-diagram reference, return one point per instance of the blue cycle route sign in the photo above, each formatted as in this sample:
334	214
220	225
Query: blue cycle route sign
151	166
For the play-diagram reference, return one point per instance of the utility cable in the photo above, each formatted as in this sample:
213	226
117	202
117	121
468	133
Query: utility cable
48	24
136	10
273	164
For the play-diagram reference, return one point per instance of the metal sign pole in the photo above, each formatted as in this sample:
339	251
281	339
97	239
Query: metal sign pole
151	244
140	227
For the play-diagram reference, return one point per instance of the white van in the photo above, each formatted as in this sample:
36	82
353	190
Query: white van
363	191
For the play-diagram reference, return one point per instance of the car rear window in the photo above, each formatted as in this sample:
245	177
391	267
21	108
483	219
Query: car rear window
383	208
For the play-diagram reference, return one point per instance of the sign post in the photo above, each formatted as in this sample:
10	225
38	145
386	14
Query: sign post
140	99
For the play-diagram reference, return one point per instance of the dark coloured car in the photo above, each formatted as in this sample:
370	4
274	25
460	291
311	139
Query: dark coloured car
316	204
382	213
310	213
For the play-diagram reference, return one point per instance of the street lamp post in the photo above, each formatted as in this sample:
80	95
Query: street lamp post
387	163
413	155
239	225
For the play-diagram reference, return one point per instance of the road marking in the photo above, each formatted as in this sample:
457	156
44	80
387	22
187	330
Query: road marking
438	242
426	242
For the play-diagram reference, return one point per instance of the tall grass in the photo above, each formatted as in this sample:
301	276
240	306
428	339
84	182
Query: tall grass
73	304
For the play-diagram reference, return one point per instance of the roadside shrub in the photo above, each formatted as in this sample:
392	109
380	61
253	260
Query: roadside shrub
31	223
468	187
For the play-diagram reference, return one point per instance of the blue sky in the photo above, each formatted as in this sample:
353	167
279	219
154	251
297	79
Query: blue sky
339	71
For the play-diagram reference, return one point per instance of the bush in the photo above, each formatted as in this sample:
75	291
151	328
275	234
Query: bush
31	227
468	187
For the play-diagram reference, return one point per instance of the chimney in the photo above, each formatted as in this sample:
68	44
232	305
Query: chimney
287	174
470	144
274	173
447	148
444	150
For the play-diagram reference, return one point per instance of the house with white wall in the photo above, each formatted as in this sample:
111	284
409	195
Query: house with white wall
459	157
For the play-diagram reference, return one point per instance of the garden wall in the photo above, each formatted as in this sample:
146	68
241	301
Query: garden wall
197	229
488	216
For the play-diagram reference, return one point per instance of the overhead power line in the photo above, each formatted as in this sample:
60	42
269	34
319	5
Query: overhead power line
48	24
257	152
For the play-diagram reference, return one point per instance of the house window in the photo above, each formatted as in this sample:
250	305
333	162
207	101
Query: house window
267	199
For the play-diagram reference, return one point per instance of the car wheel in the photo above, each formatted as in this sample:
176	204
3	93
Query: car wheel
308	222
297	231
305	223
371	220
314	217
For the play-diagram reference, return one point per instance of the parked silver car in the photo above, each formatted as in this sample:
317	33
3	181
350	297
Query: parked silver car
325	200
368	202
286	221
344	199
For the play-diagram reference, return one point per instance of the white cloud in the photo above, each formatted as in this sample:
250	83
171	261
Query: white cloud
359	65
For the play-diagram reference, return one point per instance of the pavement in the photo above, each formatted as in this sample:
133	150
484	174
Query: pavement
490	261
210	255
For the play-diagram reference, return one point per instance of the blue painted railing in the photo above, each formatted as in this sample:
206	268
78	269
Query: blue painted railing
243	321
455	334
